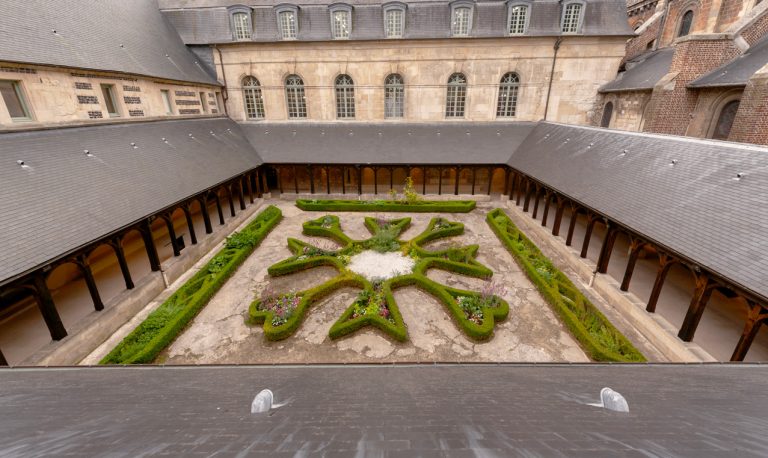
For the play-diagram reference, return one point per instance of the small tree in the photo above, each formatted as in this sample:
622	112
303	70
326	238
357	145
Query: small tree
409	192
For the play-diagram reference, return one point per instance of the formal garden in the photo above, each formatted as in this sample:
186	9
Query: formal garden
383	280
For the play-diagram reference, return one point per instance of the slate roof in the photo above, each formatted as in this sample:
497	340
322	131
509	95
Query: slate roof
696	207
738	71
386	411
65	199
384	143
89	35
207	21
642	72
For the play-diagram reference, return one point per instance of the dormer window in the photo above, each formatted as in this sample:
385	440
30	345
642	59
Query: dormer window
240	21
573	14
461	18
341	21
394	20
288	21
517	18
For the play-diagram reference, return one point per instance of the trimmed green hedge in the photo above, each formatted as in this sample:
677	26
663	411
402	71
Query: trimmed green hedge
162	326
597	336
459	260
421	206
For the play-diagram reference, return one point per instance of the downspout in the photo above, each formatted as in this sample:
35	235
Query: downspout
551	75
224	93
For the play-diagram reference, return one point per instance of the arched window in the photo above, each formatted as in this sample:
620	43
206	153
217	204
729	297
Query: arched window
607	114
507	106
725	120
394	96
294	94
685	24
254	104
456	96
571	21
242	26
345	97
517	19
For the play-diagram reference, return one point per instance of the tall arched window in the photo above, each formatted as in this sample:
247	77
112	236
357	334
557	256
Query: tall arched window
507	105
394	96
456	96
607	114
571	21
725	120
254	104
345	97
294	94
685	24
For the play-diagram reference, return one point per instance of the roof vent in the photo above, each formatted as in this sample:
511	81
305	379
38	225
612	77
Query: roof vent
165	140
134	145
266	132
498	133
322	132
23	165
546	136
87	153
211	132
438	133
740	175
351	133
674	162
54	31
410	133
191	136
122	46
166	55
380	134
293	132
467	132
623	152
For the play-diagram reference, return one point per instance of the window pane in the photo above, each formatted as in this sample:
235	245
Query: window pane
288	24
461	21
394	95
294	92
167	101
340	24
517	16
571	18
12	97
242	26
507	103
345	97
394	23
254	103
685	24
109	99
725	120
456	96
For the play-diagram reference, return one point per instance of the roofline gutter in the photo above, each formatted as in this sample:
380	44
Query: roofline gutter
556	47
224	91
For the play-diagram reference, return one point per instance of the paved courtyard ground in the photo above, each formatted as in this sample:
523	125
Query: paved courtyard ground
219	334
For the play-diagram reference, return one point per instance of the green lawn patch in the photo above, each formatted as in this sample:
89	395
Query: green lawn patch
597	336
475	313
164	324
420	206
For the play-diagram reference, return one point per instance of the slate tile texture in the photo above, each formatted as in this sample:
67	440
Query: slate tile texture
388	411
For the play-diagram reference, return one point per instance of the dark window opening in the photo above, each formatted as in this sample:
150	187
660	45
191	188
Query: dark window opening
685	24
725	120
607	114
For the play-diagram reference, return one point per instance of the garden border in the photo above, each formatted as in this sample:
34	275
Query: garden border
421	206
586	323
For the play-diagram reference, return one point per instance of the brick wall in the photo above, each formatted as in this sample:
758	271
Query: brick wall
751	123
672	110
756	30
639	44
675	14
728	14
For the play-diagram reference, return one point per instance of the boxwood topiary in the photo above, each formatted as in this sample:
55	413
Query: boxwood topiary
422	206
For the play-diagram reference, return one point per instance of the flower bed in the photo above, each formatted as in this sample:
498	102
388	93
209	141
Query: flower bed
420	206
375	305
597	336
164	324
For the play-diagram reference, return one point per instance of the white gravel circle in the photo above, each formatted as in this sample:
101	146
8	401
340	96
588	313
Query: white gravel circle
374	265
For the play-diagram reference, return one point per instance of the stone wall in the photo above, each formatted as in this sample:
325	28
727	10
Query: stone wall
628	109
583	65
751	123
71	96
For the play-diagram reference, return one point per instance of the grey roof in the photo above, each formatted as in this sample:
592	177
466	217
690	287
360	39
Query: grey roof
207	21
642	72
738	71
383	143
696	207
113	35
386	411
64	199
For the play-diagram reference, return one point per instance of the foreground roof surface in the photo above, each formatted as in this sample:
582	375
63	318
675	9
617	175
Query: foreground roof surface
738	71
683	193
384	143
129	36
62	199
434	410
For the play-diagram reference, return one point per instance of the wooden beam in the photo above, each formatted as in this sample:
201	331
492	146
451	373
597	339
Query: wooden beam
607	249
572	225
558	217
456	184
591	220
149	245
172	234
296	179
3	361
90	282
249	185
536	201
240	194
206	216
219	209
359	181
701	296
327	180
547	199
311	179
755	318
48	308
190	224
665	263
527	201
635	247
230	200
117	245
